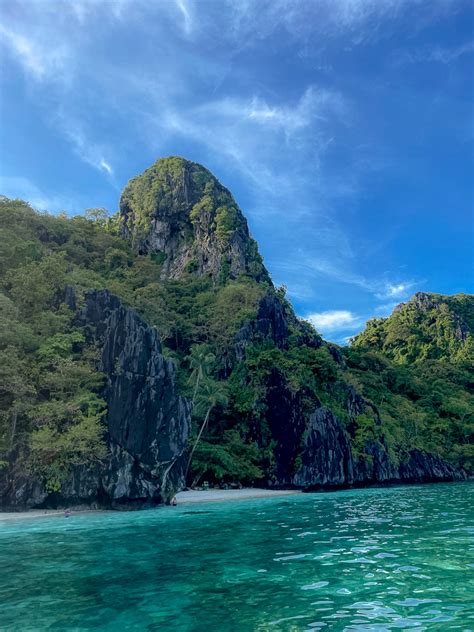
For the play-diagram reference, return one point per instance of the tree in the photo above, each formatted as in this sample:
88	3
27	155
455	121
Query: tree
15	391
97	215
209	395
200	361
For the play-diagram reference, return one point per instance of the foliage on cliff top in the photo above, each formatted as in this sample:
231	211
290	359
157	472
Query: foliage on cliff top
192	203
429	326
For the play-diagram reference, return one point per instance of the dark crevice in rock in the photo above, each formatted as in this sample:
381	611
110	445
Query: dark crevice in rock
147	423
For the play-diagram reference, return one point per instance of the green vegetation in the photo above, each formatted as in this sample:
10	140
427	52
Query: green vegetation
417	367
180	208
182	188
50	405
430	326
414	367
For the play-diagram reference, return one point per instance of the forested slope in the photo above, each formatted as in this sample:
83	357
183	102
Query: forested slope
268	397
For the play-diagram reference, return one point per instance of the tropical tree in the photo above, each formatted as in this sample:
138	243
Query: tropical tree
200	362
209	395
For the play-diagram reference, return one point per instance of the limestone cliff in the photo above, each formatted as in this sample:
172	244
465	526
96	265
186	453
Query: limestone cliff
180	212
147	424
328	461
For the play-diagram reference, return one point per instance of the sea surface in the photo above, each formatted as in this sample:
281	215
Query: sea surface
375	559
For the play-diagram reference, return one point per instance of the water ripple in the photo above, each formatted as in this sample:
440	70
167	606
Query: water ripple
362	560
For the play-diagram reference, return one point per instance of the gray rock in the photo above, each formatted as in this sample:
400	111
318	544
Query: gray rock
148	422
327	460
327	456
270	324
172	209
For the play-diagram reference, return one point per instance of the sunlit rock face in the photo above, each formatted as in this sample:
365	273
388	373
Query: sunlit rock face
178	211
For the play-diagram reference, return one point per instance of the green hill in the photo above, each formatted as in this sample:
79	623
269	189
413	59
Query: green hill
271	402
429	326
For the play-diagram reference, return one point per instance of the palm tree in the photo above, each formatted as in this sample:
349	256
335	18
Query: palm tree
209	395
200	360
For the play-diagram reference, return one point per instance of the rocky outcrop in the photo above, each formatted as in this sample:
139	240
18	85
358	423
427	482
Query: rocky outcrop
270	324
328	461
179	211
274	324
146	418
147	424
421	467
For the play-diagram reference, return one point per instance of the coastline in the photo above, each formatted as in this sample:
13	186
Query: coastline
183	498
7	516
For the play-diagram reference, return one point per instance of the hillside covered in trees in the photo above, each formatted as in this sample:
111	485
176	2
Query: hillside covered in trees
151	347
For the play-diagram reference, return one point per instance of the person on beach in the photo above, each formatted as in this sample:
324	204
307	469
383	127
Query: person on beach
174	502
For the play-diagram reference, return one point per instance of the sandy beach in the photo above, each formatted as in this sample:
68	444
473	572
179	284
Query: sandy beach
216	495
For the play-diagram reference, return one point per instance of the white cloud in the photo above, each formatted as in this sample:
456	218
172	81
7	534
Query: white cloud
186	13
264	141
314	104
105	165
396	290
39	58
307	21
338	265
334	320
23	49
87	150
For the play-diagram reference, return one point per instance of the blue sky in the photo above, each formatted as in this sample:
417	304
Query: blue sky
343	127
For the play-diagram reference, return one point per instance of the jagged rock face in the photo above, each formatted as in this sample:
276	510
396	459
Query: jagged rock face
148	422
286	423
327	456
179	210
328	460
270	324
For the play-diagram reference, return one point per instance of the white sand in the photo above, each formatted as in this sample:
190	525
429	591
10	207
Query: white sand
213	495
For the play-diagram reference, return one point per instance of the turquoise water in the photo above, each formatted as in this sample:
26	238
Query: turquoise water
378	559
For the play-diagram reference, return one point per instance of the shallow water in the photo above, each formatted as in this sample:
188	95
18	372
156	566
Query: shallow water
374	559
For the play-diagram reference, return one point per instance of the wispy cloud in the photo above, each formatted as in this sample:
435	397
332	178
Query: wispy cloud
358	21
397	290
86	149
434	54
38	60
17	187
250	132
105	165
186	13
